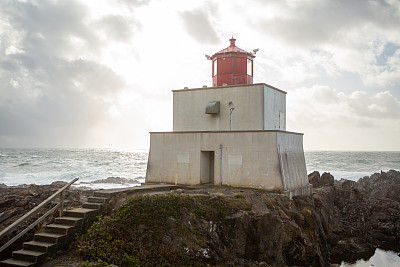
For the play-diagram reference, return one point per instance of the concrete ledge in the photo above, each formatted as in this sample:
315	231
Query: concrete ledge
136	189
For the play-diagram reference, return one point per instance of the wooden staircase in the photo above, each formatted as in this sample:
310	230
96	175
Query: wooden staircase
57	235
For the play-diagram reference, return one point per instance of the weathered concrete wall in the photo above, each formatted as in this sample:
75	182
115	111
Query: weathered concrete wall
251	102
293	165
274	109
174	158
249	158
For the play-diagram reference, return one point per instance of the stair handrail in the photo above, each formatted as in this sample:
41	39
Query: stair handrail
34	211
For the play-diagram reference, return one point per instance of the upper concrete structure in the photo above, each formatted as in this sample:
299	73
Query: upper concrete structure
256	107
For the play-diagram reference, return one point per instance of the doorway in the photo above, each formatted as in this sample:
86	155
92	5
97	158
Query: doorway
207	167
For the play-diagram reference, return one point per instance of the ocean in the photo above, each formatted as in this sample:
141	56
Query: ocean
107	168
95	168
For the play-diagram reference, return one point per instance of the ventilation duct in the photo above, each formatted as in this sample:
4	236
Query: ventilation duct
212	107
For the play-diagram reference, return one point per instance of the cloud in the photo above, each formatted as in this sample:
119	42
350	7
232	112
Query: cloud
335	120
312	23
116	27
350	36
380	106
198	25
49	27
53	88
135	3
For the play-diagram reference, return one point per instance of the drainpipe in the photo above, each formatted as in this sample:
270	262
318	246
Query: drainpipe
220	164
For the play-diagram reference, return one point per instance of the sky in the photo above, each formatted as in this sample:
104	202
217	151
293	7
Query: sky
99	73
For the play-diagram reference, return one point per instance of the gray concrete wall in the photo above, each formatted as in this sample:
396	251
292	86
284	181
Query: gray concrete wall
249	158
274	108
292	161
174	158
250	103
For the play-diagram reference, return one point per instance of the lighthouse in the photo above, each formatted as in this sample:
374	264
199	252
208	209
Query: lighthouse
233	133
232	65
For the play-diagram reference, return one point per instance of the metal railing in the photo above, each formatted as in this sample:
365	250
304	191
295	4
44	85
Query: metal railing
33	212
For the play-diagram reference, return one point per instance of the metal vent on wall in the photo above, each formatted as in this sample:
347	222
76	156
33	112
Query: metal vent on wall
212	107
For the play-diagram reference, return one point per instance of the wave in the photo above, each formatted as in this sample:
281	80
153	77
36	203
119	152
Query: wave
115	180
23	164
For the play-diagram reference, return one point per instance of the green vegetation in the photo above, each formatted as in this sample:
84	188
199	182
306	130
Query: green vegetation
155	230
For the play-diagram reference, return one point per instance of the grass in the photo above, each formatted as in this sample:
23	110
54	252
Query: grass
142	232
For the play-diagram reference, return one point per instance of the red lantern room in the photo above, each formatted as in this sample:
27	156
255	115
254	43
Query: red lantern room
232	65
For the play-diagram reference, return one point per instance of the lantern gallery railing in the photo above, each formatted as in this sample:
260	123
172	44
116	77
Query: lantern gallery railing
33	212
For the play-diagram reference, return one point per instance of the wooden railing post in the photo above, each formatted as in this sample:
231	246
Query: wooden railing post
60	210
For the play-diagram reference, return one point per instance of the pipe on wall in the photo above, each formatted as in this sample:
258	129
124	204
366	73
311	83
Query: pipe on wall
220	164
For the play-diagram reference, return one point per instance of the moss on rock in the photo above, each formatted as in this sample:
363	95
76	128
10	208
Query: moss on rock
158	230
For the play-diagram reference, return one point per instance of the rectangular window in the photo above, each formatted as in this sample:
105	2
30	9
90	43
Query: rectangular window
250	67
215	67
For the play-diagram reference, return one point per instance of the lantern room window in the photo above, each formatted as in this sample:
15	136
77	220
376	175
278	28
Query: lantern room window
215	67
250	67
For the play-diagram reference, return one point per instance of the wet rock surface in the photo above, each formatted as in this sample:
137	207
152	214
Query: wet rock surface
361	216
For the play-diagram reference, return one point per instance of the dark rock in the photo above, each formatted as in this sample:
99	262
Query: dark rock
313	178
326	179
59	183
360	216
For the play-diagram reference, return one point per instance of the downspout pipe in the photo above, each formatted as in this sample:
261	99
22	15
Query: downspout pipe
220	164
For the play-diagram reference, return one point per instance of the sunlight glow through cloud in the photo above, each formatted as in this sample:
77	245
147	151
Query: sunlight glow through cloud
99	73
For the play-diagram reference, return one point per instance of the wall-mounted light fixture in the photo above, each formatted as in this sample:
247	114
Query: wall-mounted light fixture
231	109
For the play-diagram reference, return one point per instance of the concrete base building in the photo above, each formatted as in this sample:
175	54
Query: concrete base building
230	135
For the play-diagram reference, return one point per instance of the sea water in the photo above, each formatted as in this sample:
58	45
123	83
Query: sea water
95	168
352	165
107	168
380	258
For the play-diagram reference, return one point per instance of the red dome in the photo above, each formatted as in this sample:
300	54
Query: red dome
233	49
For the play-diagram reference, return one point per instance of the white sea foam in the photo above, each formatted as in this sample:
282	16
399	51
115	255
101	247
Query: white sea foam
93	167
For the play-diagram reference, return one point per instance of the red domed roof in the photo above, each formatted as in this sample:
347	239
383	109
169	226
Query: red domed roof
233	49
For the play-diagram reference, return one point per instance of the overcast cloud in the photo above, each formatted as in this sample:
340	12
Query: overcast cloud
98	73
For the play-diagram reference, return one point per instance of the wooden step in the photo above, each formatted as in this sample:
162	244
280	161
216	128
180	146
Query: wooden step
28	255
81	213
49	237
74	221
95	206
102	194
13	262
97	200
39	246
58	228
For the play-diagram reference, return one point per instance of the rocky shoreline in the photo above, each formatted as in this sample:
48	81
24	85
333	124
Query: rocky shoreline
343	220
358	217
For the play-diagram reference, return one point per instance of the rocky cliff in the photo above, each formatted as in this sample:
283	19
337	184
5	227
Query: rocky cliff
237	226
231	226
359	216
